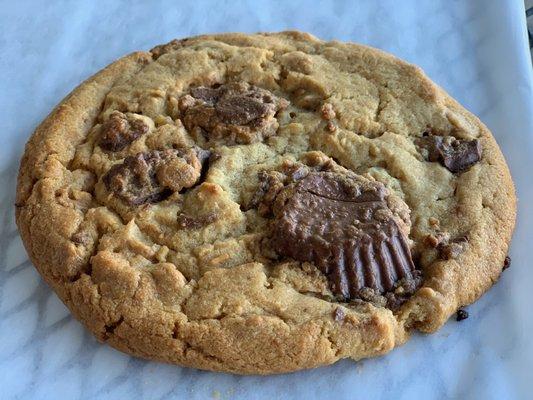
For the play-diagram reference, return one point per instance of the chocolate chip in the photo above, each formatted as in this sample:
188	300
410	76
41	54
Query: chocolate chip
152	176
196	222
338	314
342	224
461	314
118	132
235	112
455	154
506	263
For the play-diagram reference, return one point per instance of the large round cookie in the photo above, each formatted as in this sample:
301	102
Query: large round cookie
263	203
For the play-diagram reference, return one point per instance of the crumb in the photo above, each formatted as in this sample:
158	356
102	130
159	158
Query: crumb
461	315
506	263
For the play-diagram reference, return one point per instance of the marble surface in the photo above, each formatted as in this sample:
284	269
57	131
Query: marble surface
475	49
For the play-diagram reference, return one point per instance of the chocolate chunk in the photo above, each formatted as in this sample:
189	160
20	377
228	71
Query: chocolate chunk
235	112
342	224
455	154
450	250
506	263
118	132
461	314
196	222
152	176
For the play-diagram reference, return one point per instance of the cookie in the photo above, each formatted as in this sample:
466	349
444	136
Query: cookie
263	203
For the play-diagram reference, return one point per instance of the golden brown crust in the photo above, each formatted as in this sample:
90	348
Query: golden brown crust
208	297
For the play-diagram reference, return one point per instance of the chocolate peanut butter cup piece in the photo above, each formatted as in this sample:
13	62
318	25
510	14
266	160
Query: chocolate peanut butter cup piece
237	113
343	224
455	154
119	131
152	176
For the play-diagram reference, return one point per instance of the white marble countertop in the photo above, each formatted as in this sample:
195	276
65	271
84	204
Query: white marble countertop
475	49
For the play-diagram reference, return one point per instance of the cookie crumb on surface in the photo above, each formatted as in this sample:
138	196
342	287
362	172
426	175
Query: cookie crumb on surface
461	314
506	262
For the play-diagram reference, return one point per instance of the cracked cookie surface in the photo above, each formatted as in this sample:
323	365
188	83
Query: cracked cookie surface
263	203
